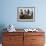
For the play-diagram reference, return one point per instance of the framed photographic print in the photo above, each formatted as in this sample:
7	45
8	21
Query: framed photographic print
26	14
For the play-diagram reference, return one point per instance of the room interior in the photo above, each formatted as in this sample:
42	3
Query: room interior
8	15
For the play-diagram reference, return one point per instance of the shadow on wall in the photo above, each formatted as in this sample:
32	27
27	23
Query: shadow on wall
2	26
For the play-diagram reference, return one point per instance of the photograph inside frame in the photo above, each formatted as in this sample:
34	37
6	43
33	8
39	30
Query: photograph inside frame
26	13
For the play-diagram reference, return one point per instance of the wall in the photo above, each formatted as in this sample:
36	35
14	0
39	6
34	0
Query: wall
9	13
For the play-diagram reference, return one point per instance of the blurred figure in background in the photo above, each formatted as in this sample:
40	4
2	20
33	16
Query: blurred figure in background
25	13
21	14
